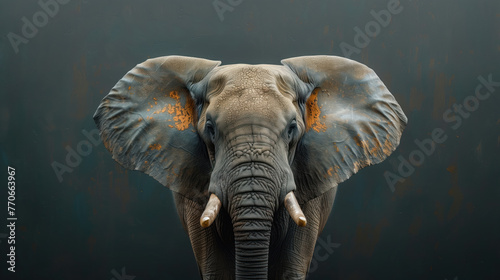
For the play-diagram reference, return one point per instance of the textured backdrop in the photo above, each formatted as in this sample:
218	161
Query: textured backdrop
428	212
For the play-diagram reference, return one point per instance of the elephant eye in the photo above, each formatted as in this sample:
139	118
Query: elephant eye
210	130
292	128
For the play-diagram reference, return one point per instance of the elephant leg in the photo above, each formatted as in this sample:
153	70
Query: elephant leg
298	247
214	256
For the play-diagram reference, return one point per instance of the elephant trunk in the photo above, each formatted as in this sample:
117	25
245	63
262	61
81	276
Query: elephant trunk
252	210
252	239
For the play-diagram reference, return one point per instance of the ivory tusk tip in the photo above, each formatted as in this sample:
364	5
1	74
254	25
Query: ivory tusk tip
302	222
294	210
205	222
211	210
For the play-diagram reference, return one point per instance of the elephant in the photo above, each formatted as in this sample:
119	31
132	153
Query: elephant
253	154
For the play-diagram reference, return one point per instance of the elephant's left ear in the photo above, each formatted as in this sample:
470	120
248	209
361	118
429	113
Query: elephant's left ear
352	121
148	123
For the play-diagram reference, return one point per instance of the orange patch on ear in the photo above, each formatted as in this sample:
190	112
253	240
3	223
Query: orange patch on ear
174	95
387	149
313	112
330	170
333	172
357	139
183	116
155	147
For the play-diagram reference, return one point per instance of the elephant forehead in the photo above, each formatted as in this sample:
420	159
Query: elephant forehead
250	89
243	76
251	75
243	102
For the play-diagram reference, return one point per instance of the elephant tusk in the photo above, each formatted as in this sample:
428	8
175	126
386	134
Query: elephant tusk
211	211
293	208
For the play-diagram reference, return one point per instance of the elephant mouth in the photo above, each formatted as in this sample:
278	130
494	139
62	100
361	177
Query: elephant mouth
241	171
214	205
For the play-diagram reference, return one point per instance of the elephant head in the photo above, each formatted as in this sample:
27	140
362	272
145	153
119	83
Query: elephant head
248	141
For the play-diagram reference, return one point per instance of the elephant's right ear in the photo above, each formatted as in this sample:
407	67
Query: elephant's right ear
352	121
148	122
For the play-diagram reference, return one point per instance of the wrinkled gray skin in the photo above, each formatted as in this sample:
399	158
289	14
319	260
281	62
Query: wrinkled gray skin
257	132
253	150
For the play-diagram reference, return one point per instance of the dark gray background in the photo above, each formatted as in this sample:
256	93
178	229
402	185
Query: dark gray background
442	222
